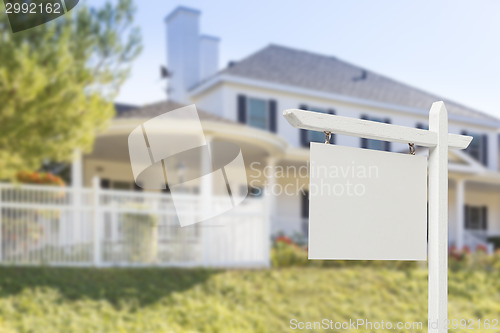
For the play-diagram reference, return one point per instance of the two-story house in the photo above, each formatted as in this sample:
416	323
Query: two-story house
243	102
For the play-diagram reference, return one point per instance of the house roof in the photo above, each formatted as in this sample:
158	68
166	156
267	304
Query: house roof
122	107
284	65
156	109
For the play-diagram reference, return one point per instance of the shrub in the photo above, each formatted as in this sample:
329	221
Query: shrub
286	253
140	237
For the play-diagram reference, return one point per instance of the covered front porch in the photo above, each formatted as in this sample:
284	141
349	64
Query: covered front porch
474	211
474	204
104	219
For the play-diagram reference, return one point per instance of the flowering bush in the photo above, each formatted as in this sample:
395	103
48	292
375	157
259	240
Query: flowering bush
482	247
140	235
286	253
43	178
283	239
468	260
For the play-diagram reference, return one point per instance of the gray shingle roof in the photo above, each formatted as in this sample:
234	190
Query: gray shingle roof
122	107
152	110
304	69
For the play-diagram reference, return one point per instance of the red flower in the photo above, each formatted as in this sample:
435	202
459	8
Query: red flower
466	249
482	247
284	239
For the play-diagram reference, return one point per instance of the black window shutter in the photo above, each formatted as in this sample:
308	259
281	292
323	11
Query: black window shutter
484	148
105	183
364	142
332	138
484	218
387	143
466	216
242	109
304	140
272	116
463	132
305	204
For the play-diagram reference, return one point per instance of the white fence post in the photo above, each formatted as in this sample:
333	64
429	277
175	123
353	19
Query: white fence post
97	221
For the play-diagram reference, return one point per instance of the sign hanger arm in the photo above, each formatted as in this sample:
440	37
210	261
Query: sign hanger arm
321	122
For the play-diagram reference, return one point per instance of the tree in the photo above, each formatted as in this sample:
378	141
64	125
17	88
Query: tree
58	82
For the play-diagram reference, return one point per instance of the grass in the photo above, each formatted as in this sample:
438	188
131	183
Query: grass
170	300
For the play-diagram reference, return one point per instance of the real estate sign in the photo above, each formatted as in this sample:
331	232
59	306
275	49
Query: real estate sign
367	204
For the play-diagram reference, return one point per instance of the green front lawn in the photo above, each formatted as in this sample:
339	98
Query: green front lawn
171	300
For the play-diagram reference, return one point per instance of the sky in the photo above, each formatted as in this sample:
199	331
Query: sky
449	48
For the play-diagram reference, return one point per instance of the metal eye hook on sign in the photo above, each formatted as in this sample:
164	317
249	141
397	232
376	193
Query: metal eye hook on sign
412	148
328	136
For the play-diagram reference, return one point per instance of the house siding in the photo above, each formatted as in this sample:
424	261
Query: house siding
225	103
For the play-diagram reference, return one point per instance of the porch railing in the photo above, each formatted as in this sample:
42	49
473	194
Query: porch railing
97	227
475	238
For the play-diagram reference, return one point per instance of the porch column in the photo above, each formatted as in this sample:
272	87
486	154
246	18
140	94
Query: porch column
206	193
271	183
270	204
460	204
77	170
206	186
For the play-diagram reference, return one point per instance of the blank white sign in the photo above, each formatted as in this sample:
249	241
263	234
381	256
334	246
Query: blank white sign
367	204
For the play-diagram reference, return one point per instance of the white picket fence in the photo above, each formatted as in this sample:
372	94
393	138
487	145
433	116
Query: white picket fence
62	226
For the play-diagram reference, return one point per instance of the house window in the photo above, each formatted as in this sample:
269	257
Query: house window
476	217
314	136
305	212
251	191
118	185
166	189
422	126
257	113
478	148
375	144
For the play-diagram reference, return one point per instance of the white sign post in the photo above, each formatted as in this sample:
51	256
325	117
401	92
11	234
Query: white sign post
439	141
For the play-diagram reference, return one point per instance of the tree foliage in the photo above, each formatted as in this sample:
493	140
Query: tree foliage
58	81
